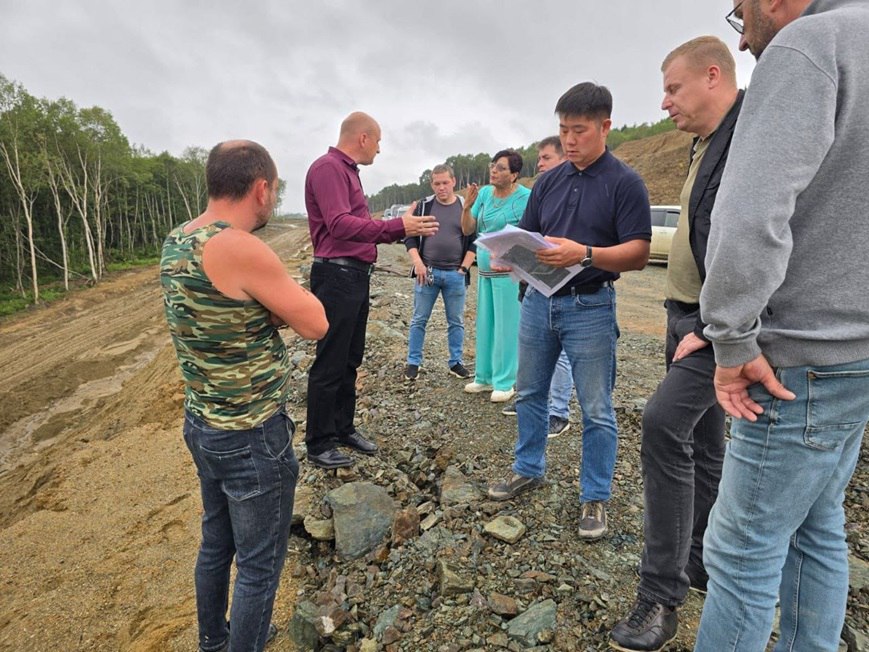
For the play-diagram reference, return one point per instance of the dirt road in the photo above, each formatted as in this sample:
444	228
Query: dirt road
99	505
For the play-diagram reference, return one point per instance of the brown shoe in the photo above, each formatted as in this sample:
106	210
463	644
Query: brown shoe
592	520
513	487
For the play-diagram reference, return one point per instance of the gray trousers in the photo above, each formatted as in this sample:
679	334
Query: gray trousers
682	454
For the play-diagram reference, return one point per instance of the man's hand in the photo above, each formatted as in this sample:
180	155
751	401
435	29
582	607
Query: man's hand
567	253
418	225
732	383
421	272
688	345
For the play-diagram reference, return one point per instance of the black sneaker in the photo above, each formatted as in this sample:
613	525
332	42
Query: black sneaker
513	487
557	426
458	370
411	371
648	628
510	410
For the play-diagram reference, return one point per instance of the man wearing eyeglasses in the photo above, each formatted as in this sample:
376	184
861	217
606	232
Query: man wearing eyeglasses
683	426
787	310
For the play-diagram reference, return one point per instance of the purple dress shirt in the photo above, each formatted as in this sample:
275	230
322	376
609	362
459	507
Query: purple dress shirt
338	216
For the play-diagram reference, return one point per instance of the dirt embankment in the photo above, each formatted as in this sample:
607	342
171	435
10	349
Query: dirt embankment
662	161
99	502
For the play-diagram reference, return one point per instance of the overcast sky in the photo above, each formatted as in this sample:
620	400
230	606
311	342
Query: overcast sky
442	78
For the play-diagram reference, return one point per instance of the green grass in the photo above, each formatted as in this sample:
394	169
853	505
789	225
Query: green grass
132	263
12	302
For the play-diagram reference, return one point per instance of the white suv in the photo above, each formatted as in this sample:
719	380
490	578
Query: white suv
664	221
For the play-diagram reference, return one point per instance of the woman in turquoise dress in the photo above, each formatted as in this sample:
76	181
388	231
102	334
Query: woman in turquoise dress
486	210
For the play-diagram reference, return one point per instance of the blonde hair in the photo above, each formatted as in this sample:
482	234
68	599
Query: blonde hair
702	52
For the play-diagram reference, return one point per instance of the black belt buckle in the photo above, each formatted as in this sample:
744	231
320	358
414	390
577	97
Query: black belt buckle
352	263
581	288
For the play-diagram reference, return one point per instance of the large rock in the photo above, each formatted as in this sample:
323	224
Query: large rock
535	625
303	627
452	580
303	503
319	529
505	528
362	514
405	526
858	573
455	488
856	640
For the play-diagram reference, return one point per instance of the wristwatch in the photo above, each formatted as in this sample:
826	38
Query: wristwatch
586	262
463	269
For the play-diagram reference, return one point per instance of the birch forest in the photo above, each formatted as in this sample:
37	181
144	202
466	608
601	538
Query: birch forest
75	196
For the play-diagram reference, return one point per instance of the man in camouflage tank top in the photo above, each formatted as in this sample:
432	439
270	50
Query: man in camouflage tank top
226	294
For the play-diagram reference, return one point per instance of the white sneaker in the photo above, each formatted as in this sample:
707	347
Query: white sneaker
502	396
477	388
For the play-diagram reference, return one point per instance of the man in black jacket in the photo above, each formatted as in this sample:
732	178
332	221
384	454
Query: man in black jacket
441	265
683	426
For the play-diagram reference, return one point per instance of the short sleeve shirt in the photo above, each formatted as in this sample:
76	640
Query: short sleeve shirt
603	205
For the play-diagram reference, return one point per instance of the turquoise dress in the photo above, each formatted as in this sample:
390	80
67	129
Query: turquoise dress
497	353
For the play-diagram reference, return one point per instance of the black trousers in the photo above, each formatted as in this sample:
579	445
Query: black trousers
682	454
343	292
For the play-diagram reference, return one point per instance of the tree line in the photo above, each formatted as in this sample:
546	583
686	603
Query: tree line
76	196
474	168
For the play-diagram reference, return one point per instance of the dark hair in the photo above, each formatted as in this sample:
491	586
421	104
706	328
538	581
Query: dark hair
232	168
514	159
586	100
551	141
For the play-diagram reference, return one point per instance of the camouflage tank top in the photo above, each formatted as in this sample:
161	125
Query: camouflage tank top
233	360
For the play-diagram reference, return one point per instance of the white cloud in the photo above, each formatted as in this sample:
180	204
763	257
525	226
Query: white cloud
445	78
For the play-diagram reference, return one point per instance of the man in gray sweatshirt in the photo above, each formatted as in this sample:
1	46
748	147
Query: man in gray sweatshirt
787	310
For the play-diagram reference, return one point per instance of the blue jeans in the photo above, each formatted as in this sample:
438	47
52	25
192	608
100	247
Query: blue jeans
451	285
561	388
248	482
585	327
778	526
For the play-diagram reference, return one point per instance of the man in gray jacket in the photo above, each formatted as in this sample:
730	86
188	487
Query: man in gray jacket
787	310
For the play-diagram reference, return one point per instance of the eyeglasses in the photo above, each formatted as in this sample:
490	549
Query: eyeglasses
500	168
734	20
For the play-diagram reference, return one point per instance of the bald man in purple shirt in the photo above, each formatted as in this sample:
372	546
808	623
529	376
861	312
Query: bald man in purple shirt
345	242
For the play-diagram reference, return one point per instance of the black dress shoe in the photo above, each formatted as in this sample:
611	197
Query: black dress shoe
331	459
356	441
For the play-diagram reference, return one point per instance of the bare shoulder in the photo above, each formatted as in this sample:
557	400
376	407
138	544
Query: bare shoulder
237	244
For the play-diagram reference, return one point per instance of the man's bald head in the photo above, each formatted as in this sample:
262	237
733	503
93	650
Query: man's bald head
358	123
360	137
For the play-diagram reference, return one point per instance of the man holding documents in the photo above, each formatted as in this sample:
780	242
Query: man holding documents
596	213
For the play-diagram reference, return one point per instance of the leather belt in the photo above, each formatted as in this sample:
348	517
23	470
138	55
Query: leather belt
347	262
582	288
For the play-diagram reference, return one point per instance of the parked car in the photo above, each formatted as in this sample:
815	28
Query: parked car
664	221
398	211
387	214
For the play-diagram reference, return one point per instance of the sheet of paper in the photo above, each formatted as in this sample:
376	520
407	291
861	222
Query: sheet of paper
515	248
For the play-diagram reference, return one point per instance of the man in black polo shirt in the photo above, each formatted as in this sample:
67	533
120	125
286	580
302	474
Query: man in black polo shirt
596	210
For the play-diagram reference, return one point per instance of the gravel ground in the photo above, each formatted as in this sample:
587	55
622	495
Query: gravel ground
450	586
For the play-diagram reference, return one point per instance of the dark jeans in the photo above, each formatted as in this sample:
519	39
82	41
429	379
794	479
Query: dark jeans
248	482
682	454
343	292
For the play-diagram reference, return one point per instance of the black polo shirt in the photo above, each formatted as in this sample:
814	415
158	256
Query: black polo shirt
603	205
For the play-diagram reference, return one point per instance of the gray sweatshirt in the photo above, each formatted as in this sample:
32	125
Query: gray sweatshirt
788	256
